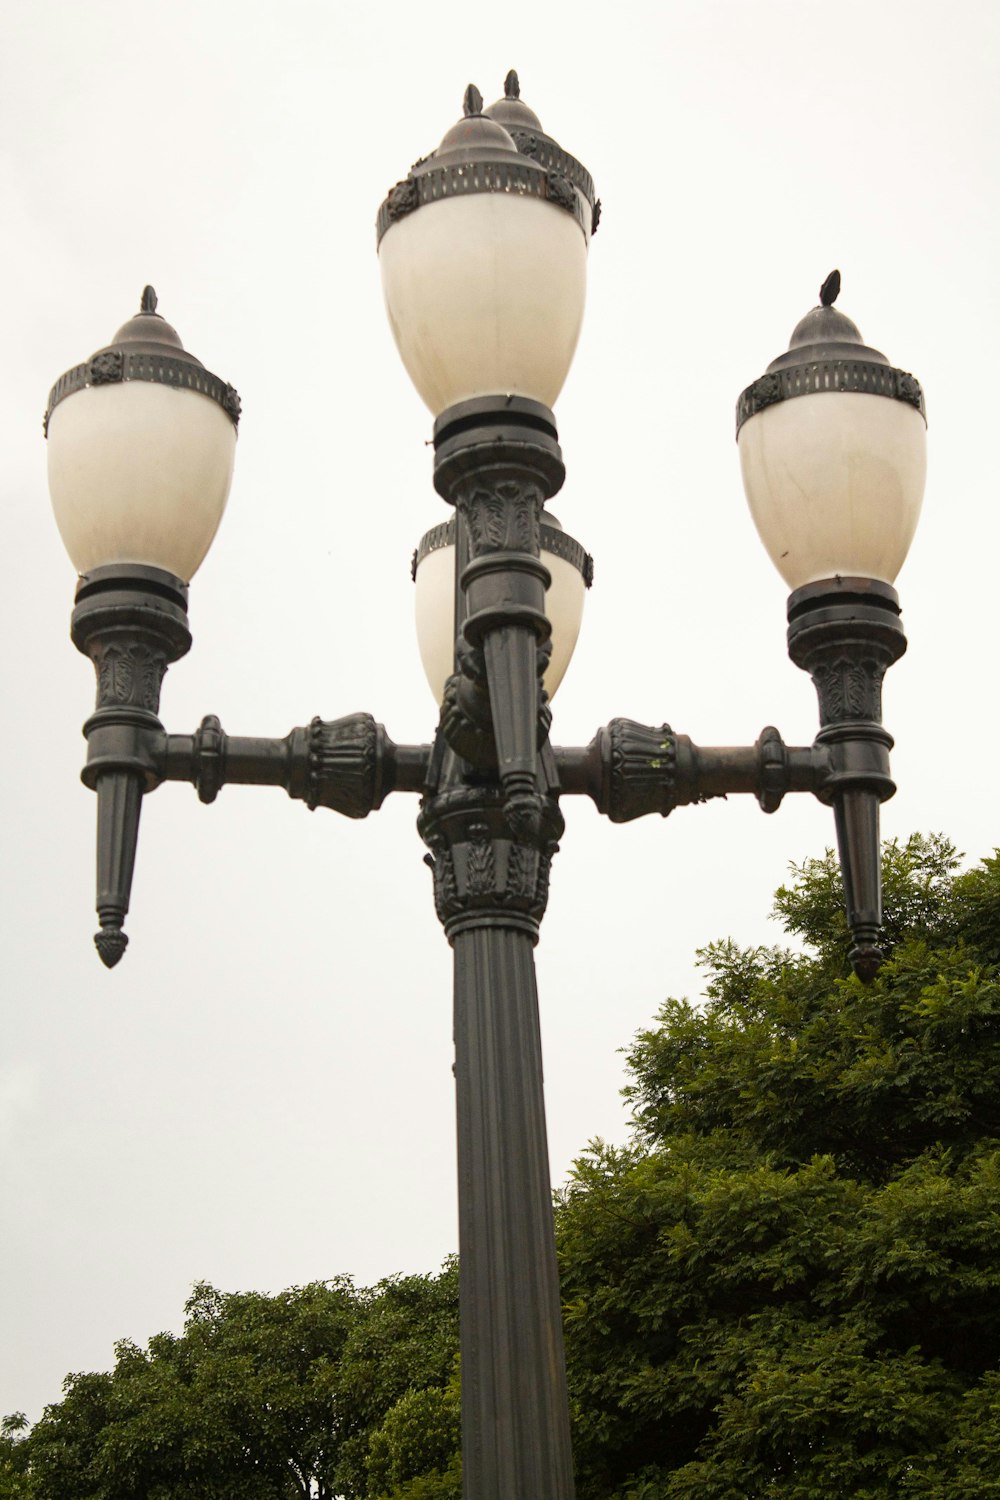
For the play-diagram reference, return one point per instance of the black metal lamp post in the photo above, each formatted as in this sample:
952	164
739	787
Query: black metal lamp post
483	250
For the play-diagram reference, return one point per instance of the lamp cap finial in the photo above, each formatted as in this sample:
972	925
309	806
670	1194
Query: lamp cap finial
830	290
148	300
472	104
512	85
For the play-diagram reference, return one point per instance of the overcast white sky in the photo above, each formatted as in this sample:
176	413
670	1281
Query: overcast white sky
261	1093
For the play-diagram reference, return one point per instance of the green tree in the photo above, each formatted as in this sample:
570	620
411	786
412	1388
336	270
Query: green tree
15	1481
415	1454
260	1398
787	1286
402	1346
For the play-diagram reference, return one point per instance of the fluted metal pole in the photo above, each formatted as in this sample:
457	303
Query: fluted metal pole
515	1420
490	889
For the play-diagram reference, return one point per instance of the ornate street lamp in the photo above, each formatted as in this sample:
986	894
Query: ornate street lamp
483	249
832	443
141	440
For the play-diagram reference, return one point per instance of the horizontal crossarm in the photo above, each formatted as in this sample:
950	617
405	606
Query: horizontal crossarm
350	764
631	769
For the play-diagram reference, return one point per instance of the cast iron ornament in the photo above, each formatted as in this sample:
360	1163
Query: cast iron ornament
497	460
829	375
562	192
128	673
110	943
830	290
846	633
643	769
773	760
466	712
524	128
551	538
210	758
502	517
107	368
438	179
145	348
132	623
500	150
827	354
633	770
344	765
485	872
402	200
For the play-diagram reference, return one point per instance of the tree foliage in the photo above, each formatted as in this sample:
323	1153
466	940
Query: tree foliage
14	1467
785	1286
260	1398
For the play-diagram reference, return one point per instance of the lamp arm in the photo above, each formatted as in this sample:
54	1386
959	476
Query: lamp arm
846	633
349	764
131	621
631	769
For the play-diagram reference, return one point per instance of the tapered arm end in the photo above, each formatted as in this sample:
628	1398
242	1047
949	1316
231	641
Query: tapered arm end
119	804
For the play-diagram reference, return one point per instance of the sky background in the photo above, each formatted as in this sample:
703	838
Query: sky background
261	1095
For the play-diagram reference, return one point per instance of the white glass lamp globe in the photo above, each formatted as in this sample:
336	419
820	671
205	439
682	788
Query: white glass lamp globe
832	445
483	255
570	567
141	441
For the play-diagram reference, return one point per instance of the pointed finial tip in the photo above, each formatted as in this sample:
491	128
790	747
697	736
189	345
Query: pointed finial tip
110	943
472	104
512	85
147	303
830	290
866	960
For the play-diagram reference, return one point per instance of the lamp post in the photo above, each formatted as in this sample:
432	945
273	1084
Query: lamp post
483	249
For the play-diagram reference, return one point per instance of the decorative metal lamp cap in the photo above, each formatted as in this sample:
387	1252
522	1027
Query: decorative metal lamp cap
531	140
827	353
150	329
826	333
146	347
475	138
478	155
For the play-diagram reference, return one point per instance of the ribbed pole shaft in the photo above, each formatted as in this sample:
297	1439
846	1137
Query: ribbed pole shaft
515	1418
